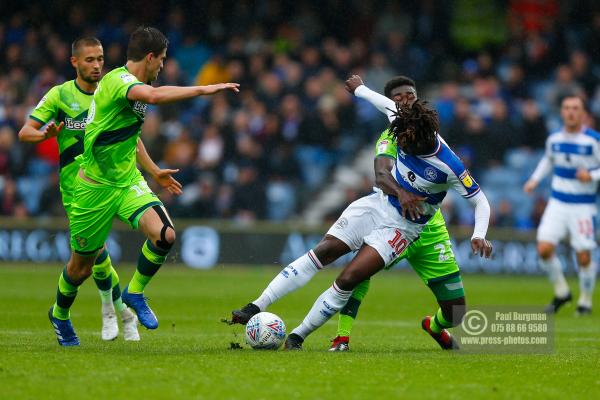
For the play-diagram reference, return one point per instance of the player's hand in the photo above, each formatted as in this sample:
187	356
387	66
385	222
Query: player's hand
212	89
165	179
481	246
52	129
411	204
353	82
583	175
529	186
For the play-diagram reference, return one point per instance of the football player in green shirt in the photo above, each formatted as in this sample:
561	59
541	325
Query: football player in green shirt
109	184
62	113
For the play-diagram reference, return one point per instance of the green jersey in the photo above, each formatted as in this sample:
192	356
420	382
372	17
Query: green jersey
66	103
113	128
386	145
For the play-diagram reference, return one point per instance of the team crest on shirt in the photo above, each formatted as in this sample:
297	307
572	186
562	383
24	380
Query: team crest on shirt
430	174
466	179
75	106
81	241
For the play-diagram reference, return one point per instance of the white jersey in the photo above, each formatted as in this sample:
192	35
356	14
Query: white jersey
565	154
431	176
571	210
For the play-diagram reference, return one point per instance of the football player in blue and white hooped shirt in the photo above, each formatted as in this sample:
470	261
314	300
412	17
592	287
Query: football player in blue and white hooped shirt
426	166
573	157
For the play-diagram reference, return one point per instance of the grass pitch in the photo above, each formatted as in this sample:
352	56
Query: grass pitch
188	356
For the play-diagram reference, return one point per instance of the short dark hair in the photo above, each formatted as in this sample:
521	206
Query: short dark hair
574	96
396	81
144	40
82	42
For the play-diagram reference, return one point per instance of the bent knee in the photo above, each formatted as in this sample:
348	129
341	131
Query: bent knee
348	280
330	249
170	236
545	250
583	258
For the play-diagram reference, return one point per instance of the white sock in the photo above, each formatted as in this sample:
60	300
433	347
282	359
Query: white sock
295	275
329	303
106	296
555	273
587	281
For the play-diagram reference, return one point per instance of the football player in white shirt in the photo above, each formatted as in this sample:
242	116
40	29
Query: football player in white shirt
573	155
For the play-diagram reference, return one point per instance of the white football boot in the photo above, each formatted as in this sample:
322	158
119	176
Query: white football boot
110	327
130	322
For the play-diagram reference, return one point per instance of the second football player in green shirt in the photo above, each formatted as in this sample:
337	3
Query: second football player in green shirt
109	184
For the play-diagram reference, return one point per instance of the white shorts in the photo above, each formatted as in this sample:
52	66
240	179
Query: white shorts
578	221
372	220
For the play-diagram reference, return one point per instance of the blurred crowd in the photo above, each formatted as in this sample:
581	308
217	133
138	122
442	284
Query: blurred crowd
494	70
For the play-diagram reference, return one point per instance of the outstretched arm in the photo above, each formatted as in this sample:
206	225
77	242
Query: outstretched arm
31	132
356	86
162	176
169	94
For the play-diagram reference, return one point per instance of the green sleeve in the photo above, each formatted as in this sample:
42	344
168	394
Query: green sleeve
386	145
121	84
47	108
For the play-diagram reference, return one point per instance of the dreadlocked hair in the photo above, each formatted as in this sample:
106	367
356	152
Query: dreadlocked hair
415	128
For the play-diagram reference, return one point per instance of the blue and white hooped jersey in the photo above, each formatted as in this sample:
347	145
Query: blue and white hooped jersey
431	176
567	153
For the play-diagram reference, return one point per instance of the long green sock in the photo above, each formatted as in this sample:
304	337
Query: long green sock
350	311
438	322
116	291
65	296
149	262
101	272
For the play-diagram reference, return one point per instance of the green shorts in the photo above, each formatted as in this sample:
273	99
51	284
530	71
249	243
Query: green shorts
432	259
95	205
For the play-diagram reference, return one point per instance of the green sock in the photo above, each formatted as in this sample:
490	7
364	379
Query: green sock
101	272
116	291
65	296
438	322
350	311
149	262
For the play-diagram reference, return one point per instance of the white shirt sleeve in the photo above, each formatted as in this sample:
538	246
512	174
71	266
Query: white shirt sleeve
382	103
544	167
482	215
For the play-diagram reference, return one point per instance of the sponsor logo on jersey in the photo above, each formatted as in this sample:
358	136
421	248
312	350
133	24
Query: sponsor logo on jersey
75	125
412	183
383	145
430	174
140	108
127	78
466	179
